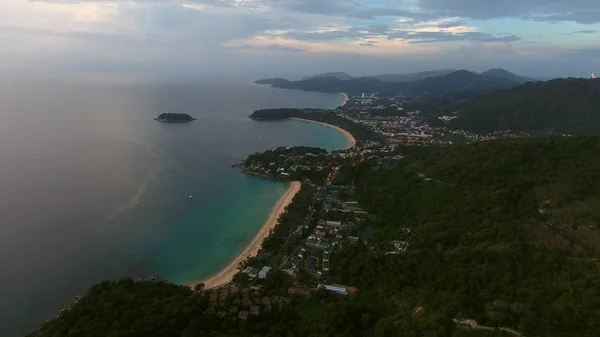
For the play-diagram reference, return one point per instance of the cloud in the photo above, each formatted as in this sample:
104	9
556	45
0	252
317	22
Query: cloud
586	31
423	35
273	47
214	34
580	11
428	37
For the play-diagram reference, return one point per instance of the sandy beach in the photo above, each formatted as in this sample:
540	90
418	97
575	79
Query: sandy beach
346	98
226	274
351	140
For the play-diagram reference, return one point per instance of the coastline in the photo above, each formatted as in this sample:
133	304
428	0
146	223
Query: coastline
225	275
349	138
346	98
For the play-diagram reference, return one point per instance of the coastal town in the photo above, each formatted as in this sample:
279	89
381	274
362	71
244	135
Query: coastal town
393	118
266	276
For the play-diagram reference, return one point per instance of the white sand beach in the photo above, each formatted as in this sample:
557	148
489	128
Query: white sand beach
346	98
226	274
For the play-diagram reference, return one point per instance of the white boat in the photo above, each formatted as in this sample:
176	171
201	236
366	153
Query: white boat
190	197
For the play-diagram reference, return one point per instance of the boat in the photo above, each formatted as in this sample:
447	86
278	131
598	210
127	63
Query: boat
190	197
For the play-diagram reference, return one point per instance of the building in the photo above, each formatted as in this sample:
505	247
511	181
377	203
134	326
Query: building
334	224
243	315
299	229
263	272
246	302
315	244
334	289
352	206
325	256
266	302
593	76
252	272
294	290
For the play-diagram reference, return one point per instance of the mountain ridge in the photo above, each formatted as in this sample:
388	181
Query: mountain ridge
457	81
570	105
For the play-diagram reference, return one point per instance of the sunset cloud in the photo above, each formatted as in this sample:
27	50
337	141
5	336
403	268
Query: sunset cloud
207	34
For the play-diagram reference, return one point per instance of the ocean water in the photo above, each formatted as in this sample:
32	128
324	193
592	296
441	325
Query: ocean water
91	187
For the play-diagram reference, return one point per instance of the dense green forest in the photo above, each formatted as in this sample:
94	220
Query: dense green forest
503	232
569	105
360	132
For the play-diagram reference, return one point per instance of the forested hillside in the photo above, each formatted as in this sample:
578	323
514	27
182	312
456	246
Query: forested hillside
569	105
501	232
505	232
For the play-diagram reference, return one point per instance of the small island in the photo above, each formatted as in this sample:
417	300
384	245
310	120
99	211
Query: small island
172	117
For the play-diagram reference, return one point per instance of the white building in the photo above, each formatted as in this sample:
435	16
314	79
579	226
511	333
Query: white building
334	224
334	289
593	75
263	272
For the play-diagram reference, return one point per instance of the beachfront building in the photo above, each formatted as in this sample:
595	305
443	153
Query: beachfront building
263	272
252	272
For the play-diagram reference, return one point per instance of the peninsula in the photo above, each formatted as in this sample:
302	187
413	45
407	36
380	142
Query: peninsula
171	117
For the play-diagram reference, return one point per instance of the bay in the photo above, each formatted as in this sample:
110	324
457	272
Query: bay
91	187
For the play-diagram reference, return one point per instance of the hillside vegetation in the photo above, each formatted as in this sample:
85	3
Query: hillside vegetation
567	105
501	232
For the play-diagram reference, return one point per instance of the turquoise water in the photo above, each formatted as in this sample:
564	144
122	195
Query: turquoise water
92	188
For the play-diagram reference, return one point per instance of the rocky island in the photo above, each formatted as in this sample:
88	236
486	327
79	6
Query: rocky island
171	117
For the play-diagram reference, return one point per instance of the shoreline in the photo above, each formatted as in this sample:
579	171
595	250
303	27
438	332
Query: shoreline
349	138
346	98
225	275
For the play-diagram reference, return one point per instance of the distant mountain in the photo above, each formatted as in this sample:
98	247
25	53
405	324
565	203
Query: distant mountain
569	105
451	83
412	76
455	82
507	74
329	84
339	75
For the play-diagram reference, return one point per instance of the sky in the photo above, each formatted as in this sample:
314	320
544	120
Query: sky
542	38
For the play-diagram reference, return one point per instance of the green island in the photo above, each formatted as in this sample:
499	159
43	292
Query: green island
420	230
172	117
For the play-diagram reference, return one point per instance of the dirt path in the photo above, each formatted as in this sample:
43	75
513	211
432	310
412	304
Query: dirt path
471	323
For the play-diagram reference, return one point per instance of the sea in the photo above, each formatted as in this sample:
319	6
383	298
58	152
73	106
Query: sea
92	188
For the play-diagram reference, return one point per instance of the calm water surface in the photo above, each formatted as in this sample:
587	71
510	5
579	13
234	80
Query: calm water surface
92	188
